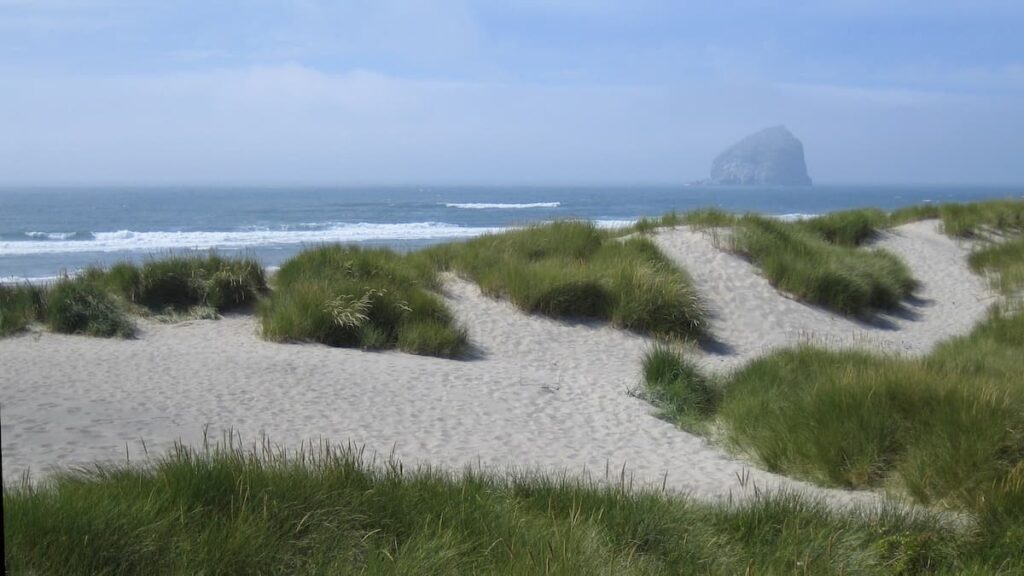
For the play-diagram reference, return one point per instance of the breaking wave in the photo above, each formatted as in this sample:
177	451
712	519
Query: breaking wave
796	216
132	241
493	206
59	235
248	237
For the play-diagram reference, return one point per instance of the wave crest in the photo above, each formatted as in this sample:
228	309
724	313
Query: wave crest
133	241
793	217
250	237
59	235
499	206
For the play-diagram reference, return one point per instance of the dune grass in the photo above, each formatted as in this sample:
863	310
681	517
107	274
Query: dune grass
180	282
1003	264
19	306
97	302
70	306
700	218
224	510
373	299
687	397
856	226
948	429
814	259
573	270
647	225
1000	257
80	306
797	258
968	220
846	228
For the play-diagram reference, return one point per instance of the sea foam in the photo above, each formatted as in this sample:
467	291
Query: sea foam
59	235
794	217
135	241
250	237
498	206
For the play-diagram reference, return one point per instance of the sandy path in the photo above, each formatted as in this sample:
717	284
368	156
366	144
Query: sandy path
751	318
544	395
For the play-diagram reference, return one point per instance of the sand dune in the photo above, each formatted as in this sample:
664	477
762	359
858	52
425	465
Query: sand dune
750	318
542	394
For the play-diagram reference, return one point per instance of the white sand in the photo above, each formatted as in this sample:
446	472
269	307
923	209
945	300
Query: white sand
545	395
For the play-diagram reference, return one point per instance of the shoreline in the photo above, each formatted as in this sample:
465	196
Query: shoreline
162	242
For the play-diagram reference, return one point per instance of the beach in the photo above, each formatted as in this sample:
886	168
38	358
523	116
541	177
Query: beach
600	288
537	394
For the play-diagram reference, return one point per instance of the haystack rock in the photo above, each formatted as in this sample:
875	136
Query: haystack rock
771	157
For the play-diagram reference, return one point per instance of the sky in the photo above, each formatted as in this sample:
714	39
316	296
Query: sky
504	91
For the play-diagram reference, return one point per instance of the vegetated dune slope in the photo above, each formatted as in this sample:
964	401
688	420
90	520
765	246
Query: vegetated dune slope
541	395
750	318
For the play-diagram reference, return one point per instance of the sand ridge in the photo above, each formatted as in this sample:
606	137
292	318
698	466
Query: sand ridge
541	394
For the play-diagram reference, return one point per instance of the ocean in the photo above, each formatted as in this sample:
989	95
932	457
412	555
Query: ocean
45	232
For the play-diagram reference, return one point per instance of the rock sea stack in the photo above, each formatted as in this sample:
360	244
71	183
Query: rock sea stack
771	157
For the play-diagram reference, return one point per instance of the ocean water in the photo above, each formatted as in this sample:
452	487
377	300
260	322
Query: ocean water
47	231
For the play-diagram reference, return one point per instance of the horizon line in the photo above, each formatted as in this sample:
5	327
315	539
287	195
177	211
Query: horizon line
472	184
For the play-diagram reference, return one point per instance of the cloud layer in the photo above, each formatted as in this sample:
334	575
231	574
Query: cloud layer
514	92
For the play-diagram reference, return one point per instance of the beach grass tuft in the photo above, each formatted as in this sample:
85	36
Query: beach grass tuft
179	282
19	306
373	299
80	306
846	228
947	429
573	270
797	258
1003	264
433	337
674	383
328	510
815	259
969	220
702	218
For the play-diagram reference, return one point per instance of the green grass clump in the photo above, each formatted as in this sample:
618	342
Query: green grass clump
947	429
688	397
799	261
645	225
701	218
324	511
179	282
368	298
815	259
79	306
709	218
1003	263
854	227
915	213
847	228
574	270
213	281
969	220
433	338
670	219
19	306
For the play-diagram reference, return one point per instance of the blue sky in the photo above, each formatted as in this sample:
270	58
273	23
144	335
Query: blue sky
504	91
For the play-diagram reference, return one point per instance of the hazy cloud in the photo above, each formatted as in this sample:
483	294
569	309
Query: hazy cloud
504	91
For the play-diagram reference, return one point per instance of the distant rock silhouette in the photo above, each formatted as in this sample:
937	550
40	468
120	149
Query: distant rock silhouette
772	157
